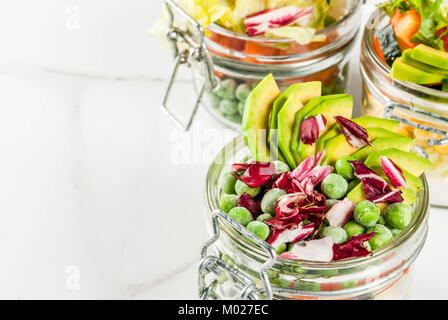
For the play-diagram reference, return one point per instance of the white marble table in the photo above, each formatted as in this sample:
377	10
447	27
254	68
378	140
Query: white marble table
99	198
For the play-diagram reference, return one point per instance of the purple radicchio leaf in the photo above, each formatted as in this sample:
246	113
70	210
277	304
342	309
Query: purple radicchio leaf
311	128
260	22
353	248
393	173
356	135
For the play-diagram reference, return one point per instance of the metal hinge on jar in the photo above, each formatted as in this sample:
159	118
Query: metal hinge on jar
188	45
430	117
212	264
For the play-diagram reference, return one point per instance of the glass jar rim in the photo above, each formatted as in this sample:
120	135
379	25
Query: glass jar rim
368	39
233	235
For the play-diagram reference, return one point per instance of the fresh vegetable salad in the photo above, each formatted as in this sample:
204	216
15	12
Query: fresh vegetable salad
415	43
294	19
296	40
402	61
342	187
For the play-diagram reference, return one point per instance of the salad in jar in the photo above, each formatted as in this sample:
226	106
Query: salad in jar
321	186
415	43
403	71
296	40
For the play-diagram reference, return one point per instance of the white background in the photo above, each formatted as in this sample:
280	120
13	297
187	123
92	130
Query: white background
95	199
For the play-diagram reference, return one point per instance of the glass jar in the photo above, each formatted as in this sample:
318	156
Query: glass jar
239	62
241	265
423	111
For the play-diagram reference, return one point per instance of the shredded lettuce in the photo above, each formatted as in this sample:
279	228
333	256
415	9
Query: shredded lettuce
301	35
231	13
433	15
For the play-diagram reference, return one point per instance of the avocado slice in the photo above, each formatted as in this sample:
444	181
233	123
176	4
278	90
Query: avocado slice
364	121
301	116
338	146
306	91
286	118
411	162
406	58
256	117
329	109
404	72
431	56
401	142
357	196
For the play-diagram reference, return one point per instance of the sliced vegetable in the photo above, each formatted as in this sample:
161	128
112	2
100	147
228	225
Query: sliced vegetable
246	201
254	174
311	128
278	237
393	172
353	248
405	25
258	23
356	135
389	48
320	250
340	213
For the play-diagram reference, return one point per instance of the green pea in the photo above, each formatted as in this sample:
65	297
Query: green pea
235	118
214	99
282	248
353	228
281	167
264	217
228	182
241	187
344	168
334	186
398	215
336	233
241	215
269	201
395	232
228	107
260	229
241	107
242	92
367	213
228	202
255	84
227	89
382	237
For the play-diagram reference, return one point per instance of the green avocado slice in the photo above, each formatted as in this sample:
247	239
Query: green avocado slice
406	58
364	121
338	146
411	162
306	91
404	72
433	57
329	109
357	196
301	116
256	117
399	142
